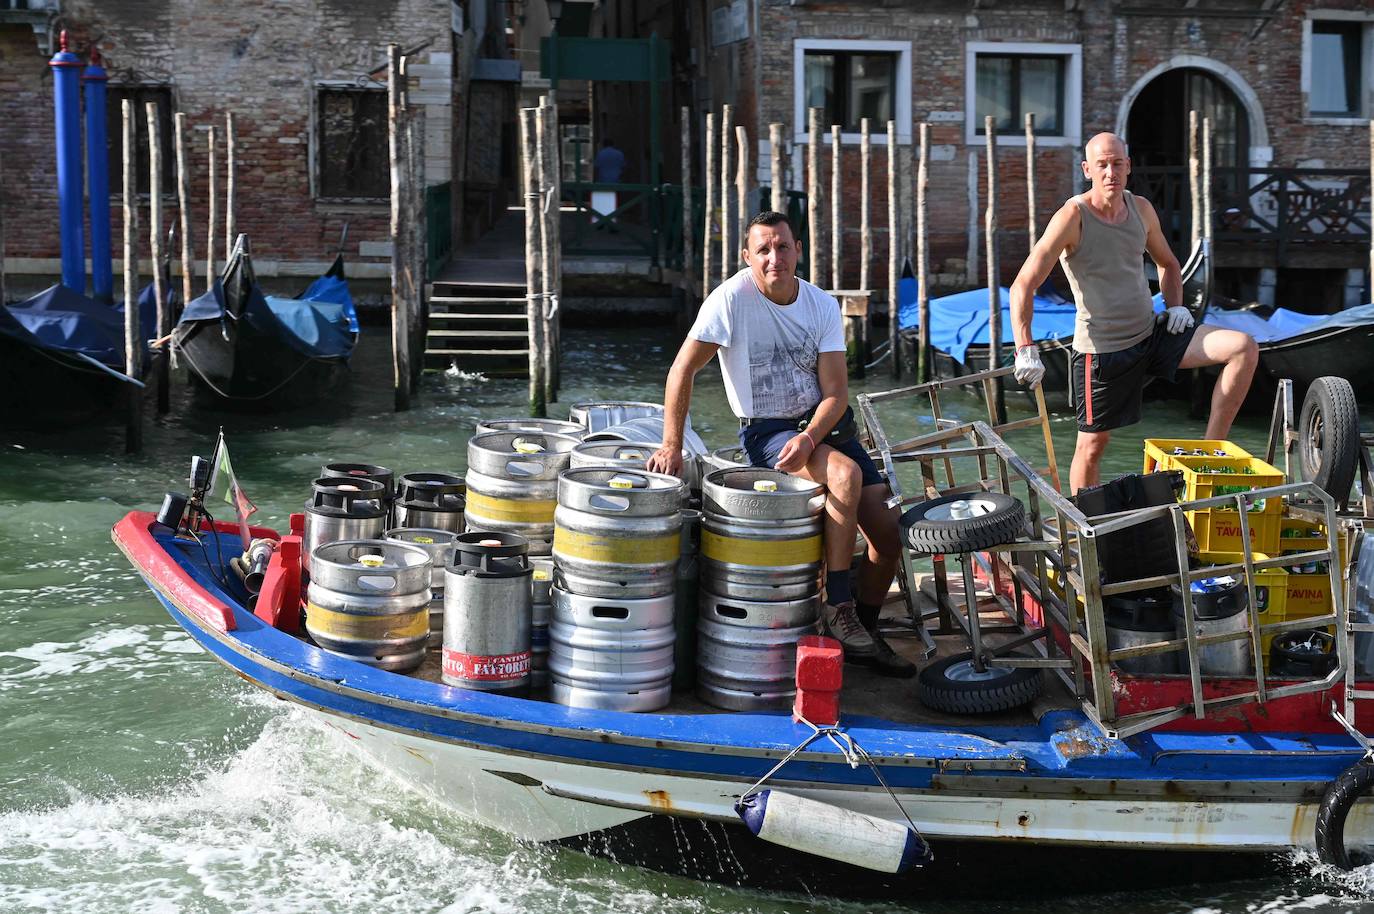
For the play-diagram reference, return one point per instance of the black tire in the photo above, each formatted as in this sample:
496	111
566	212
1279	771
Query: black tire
1339	797
1329	436
1010	688
1004	522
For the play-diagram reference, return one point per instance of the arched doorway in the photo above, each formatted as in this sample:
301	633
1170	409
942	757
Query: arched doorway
1157	134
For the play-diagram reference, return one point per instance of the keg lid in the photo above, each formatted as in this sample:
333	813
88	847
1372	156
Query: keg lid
347	497
432	491
525	446
363	471
625	482
630	453
371	561
765	485
541	574
490	554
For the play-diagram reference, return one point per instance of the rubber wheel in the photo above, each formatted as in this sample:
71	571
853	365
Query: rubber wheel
1329	436
954	687
930	528
1339	797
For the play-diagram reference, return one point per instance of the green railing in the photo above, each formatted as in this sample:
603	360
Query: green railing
648	222
438	227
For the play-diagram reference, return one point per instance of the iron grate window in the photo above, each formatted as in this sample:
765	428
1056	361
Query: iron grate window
353	157
1009	86
161	96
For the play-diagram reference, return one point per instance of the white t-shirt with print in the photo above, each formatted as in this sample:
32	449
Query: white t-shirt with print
768	352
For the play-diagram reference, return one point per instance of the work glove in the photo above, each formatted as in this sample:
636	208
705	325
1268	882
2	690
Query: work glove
1177	319
1029	368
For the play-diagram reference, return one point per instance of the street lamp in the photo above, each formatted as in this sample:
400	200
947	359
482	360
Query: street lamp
555	11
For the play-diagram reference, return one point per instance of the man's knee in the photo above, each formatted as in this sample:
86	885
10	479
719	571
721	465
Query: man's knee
843	477
1247	353
1091	447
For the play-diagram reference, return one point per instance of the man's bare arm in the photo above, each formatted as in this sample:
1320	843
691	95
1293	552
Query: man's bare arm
677	397
1170	273
1062	233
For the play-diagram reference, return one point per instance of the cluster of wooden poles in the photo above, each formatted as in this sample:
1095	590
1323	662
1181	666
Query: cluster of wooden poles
133	342
409	232
539	181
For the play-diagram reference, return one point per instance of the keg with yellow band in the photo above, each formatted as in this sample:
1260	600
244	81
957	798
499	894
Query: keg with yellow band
762	553
345	627
510	510
616	550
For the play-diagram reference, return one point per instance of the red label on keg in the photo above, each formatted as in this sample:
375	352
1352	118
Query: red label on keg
486	667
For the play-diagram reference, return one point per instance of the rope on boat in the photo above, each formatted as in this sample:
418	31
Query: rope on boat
853	754
177	348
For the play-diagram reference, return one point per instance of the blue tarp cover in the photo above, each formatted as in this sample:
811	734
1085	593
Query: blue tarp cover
1282	323
322	328
960	320
61	320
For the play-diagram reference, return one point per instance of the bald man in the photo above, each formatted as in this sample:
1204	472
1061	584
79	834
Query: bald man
1100	237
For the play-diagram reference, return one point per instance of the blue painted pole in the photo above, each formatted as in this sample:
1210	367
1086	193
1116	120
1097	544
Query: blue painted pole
93	81
66	70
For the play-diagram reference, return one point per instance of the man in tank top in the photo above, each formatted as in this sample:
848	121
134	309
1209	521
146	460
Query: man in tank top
1100	237
780	341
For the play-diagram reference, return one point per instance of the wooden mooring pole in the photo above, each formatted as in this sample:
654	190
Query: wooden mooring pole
164	316
1371	206
836	236
400	315
708	222
742	214
729	254
133	342
813	197
229	185
777	193
994	286
865	205
212	199
548	285
529	170
418	241
1207	181
1194	179
1031	229
923	354
3	299
554	366
184	210
893	234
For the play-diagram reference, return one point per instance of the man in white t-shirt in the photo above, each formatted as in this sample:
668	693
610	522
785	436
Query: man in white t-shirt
781	346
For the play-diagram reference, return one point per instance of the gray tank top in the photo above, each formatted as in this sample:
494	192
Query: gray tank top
1107	276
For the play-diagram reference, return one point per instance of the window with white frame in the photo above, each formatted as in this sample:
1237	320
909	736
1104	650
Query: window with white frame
1009	80
1337	67
853	79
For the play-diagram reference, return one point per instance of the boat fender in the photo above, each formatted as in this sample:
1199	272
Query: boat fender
1335	806
831	831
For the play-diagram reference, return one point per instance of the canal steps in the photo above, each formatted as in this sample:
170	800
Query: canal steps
478	326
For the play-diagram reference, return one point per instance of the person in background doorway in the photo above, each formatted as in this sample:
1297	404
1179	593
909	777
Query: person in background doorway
780	341
609	164
1119	343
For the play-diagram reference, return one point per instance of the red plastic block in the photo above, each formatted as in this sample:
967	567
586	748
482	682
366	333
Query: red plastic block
820	663
821	708
298	523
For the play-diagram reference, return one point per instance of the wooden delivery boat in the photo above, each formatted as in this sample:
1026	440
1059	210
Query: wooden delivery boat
1180	766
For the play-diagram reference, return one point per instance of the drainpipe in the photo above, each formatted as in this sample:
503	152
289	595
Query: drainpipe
98	177
66	68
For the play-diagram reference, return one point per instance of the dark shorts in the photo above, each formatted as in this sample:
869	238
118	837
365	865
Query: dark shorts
763	442
1108	387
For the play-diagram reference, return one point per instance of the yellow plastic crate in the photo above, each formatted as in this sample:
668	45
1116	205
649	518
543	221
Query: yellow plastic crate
1218	529
1297	534
1159	452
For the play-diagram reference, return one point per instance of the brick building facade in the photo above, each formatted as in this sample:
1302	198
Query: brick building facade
306	83
1288	86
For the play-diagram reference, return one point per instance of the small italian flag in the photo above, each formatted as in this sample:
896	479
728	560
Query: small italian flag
223	483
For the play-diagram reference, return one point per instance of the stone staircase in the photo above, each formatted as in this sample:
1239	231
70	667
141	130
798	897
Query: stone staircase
478	327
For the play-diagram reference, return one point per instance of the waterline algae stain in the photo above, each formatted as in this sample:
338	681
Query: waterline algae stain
136	774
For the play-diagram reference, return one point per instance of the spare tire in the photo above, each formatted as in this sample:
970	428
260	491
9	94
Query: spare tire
1329	437
953	686
1335	806
964	523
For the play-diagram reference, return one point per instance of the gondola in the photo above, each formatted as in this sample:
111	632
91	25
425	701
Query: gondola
247	350
62	357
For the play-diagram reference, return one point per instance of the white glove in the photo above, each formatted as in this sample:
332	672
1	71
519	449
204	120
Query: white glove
1177	319
1029	368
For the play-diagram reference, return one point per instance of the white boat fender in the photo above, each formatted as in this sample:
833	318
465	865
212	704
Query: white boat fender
825	830
1335	806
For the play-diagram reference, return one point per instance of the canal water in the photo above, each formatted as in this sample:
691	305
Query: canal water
136	774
